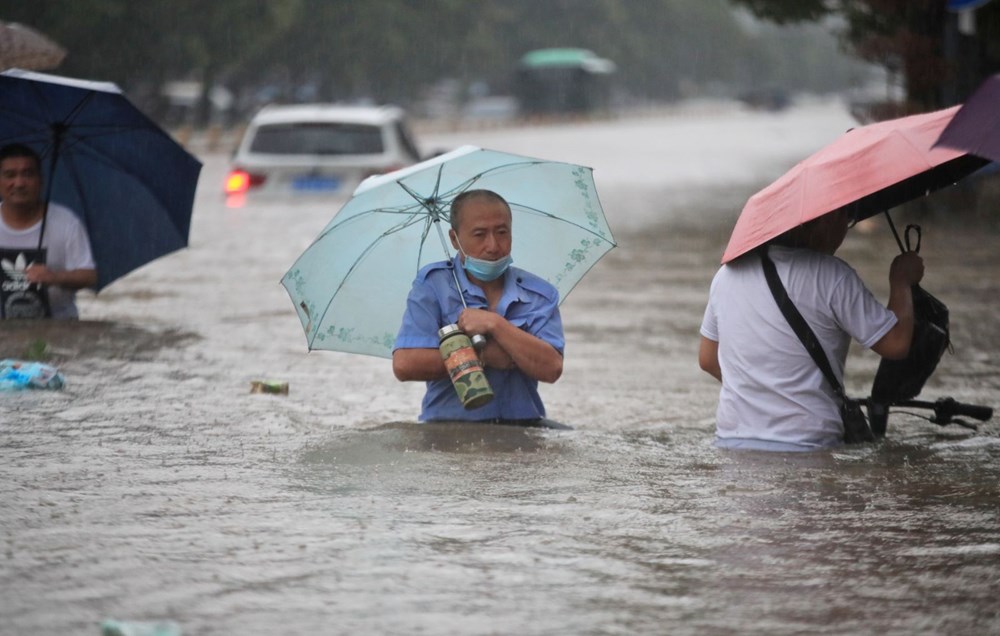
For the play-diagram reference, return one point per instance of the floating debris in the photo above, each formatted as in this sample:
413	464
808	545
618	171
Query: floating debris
269	386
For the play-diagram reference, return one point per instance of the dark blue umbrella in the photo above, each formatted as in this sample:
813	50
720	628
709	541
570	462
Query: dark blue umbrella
128	180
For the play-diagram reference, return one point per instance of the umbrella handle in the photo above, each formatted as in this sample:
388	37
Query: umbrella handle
906	235
478	341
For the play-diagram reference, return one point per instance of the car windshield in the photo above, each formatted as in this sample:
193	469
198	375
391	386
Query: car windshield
317	139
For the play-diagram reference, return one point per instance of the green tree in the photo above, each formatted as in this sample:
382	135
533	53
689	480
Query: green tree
390	50
916	39
139	45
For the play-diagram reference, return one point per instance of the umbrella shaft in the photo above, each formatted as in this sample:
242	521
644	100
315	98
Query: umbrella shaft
454	274
895	234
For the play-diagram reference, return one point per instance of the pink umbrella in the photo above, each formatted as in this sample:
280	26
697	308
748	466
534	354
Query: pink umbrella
976	127
871	168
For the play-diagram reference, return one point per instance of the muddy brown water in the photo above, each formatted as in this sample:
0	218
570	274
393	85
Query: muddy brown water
155	485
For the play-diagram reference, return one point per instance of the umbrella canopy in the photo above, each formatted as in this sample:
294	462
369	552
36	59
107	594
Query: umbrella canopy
22	47
350	286
976	126
872	168
131	183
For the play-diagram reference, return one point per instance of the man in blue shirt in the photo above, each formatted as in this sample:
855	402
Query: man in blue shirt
516	311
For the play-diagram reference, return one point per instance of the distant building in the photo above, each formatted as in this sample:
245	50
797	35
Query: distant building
567	80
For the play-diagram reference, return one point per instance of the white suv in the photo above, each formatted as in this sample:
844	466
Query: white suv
319	148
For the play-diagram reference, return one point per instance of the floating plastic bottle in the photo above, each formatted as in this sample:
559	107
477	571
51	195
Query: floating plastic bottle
269	386
464	367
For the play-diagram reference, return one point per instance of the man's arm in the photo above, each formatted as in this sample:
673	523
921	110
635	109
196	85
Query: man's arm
907	270
533	356
421	365
415	358
72	279
708	358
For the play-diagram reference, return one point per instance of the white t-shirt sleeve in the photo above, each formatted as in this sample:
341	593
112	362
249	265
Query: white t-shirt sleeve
858	311
710	322
78	252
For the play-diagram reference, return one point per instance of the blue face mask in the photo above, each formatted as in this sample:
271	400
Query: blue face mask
485	270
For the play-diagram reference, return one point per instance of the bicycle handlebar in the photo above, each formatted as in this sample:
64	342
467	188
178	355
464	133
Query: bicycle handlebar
947	408
981	413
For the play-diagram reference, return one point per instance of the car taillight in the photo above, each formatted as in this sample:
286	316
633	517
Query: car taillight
240	181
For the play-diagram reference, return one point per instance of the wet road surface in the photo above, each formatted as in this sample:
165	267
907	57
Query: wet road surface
156	486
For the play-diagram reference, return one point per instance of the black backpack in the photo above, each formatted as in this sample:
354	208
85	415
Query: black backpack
898	380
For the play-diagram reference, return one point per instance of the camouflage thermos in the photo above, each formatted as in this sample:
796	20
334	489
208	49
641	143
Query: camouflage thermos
464	368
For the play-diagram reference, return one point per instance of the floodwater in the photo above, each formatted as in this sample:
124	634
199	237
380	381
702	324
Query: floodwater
155	485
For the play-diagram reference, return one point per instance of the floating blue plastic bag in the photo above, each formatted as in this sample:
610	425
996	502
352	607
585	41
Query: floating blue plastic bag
18	374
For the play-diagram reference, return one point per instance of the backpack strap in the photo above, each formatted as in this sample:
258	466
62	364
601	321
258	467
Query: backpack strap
799	324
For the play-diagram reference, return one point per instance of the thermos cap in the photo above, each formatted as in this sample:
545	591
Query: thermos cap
447	330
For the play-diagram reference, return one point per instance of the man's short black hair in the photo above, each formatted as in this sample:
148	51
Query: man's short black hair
20	150
459	202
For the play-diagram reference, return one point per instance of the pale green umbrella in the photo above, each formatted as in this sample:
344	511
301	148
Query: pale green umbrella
350	286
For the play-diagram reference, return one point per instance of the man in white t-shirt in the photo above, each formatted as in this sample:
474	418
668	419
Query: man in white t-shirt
773	395
38	283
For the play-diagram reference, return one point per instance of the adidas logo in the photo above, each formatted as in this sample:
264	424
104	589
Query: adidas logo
15	274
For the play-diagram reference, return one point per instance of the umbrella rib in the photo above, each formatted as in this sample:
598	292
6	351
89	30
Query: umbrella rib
428	203
434	213
73	139
42	101
432	202
553	217
465	185
361	257
437	196
36	87
80	146
103	130
79	106
408	210
45	105
420	250
26	121
32	137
